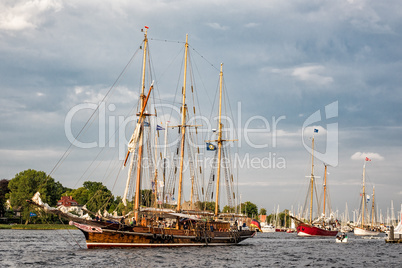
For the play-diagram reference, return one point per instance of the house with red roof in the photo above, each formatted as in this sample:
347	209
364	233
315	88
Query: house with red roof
68	204
67	201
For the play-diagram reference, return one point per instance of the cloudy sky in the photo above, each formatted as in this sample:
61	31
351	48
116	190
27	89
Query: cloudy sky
289	67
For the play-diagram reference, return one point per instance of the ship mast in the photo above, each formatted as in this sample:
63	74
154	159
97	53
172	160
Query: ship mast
141	140
312	181
219	141
164	165
156	170
364	194
183	128
325	187
372	209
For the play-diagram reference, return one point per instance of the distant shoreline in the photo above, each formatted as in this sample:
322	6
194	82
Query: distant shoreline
36	226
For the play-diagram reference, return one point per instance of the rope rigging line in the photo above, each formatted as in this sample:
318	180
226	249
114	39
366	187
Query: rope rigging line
316	198
177	89
150	159
167	41
168	67
203	86
62	236
191	134
172	177
193	166
111	137
305	208
195	100
111	195
227	180
204	58
67	152
210	187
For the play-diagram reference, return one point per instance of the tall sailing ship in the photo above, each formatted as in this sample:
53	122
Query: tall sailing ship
364	226
323	226
158	226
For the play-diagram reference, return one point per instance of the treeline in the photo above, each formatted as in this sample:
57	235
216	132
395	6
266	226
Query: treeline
94	195
15	192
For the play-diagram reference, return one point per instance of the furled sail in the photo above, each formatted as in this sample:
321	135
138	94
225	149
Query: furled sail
135	137
133	143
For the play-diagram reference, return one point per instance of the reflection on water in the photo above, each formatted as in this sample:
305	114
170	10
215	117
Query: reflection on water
35	248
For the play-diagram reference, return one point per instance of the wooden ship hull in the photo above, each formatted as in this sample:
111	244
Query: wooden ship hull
138	236
109	233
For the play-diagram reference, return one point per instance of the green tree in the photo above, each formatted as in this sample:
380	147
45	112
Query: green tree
284	218
81	195
209	206
250	209
119	207
228	209
147	198
263	211
25	184
3	191
114	205
94	195
270	218
279	219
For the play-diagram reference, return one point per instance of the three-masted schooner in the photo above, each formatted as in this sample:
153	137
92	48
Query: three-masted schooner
158	227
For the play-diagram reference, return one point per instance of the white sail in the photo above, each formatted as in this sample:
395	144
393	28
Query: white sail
124	200
131	148
134	138
398	228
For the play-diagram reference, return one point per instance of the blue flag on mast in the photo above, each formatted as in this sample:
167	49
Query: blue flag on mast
210	147
146	124
315	130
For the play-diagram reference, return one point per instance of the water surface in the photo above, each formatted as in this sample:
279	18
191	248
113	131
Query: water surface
66	248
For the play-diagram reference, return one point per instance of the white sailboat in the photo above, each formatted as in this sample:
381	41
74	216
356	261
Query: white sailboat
268	228
364	229
398	228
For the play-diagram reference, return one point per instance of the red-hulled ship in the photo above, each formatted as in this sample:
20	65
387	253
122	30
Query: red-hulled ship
322	226
304	229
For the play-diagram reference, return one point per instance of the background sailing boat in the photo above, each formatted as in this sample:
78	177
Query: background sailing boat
365	226
322	226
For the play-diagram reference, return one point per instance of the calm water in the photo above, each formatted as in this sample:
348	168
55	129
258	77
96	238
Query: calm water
66	248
